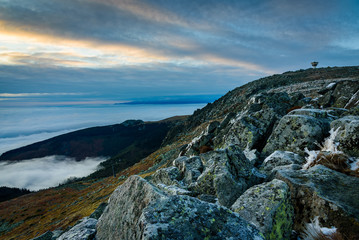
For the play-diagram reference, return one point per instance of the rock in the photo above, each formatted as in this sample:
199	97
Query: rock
296	132
183	217
174	190
268	207
190	168
226	174
252	156
120	219
85	230
251	128
46	236
348	134
339	95
212	127
353	101
99	210
280	158
168	176
322	192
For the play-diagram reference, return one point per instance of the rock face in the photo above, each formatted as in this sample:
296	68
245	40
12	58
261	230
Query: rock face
280	158
323	192
348	134
268	207
85	230
121	218
187	218
227	175
251	128
295	132
138	210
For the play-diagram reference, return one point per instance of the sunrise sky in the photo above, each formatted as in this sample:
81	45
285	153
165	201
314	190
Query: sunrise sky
105	51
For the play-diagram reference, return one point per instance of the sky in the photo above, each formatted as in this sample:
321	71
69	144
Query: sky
106	51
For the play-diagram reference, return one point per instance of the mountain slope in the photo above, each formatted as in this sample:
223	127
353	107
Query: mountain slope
132	139
245	153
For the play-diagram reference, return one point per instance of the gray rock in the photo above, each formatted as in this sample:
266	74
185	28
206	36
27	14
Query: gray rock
252	155
84	230
296	132
227	174
190	168
99	210
280	158
322	192
212	127
183	217
120	219
174	190
251	128
268	207
348	134
168	176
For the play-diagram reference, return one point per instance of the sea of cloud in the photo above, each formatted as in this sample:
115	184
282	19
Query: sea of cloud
40	173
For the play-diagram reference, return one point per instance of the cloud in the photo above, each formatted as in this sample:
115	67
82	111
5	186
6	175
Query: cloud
40	173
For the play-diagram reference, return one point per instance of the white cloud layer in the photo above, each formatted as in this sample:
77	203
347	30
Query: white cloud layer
40	173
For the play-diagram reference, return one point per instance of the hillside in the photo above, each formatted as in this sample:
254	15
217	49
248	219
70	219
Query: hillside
276	158
135	137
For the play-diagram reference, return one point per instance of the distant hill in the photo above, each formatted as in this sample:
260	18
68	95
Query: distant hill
134	137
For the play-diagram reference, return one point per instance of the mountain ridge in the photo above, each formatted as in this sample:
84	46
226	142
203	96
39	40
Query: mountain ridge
248	159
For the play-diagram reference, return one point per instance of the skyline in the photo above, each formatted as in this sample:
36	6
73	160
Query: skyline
85	51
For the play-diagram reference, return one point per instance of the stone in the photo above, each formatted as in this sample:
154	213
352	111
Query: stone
348	134
268	206
121	218
84	230
322	192
168	176
227	174
190	168
251	128
296	132
187	218
280	158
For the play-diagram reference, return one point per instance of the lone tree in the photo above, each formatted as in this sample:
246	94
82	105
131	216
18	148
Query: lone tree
314	64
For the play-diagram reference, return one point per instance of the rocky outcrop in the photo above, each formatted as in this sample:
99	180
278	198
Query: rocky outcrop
227	174
268	207
121	219
251	127
187	218
322	192
138	210
348	134
339	94
299	130
278	159
84	230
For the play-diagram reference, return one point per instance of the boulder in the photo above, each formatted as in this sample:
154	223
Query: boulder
227	174
322	192
120	219
348	134
251	128
190	168
167	176
268	207
296	132
280	158
187	218
84	230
